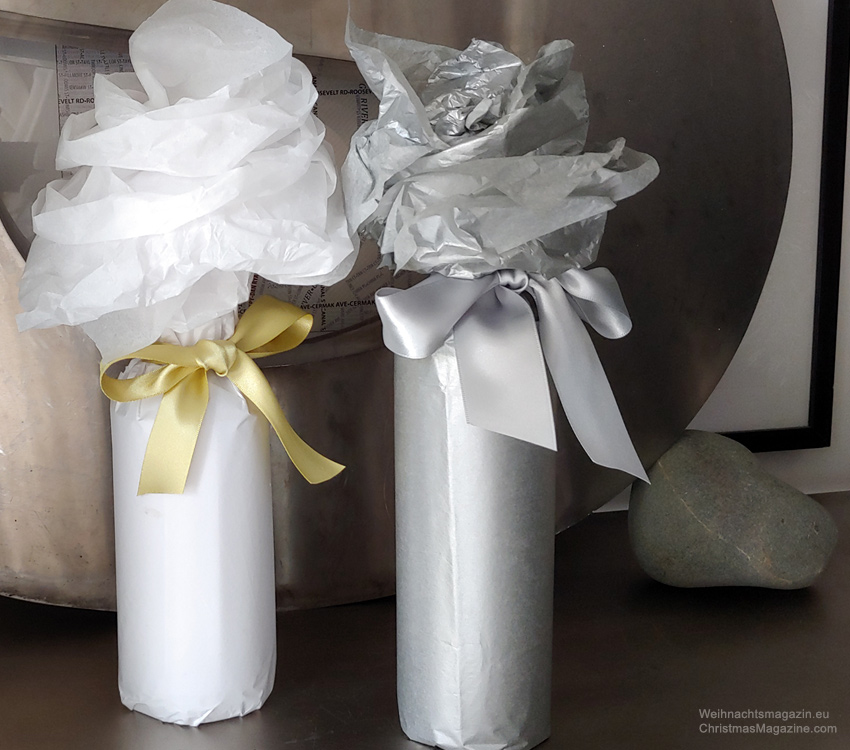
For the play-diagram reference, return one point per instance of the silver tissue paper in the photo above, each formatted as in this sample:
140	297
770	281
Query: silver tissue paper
513	188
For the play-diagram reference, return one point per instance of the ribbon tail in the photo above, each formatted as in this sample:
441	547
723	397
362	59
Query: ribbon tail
502	371
312	465
171	444
582	385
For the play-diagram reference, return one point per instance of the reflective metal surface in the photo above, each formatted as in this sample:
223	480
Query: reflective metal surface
334	542
702	86
56	534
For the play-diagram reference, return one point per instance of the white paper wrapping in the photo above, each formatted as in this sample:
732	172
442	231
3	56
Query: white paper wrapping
203	167
475	520
195	572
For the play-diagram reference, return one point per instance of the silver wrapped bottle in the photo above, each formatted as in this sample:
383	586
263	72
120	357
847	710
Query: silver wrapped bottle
475	516
475	172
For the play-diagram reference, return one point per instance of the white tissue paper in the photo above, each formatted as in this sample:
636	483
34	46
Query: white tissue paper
203	167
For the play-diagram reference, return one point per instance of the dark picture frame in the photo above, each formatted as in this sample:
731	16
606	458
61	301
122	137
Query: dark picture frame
816	433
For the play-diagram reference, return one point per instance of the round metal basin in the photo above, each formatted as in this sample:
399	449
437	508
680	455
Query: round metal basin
702	86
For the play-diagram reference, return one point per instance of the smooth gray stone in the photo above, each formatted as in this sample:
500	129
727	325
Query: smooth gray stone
713	517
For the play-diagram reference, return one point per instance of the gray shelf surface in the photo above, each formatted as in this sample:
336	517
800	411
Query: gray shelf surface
634	662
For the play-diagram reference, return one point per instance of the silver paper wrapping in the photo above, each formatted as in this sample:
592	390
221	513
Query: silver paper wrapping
475	518
476	172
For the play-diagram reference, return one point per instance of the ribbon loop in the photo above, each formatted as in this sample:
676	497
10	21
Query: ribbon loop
269	326
418	320
595	295
502	356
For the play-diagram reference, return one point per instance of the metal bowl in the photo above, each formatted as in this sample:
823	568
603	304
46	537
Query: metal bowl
702	86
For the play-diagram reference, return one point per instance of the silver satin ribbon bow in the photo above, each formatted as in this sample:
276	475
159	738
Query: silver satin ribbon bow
501	348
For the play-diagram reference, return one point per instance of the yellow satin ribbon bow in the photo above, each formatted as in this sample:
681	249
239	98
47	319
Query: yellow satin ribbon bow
268	326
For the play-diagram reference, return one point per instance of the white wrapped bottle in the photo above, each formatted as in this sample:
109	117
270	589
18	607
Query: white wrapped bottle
203	167
195	572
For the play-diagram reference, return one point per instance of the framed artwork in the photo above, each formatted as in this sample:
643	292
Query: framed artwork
777	393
